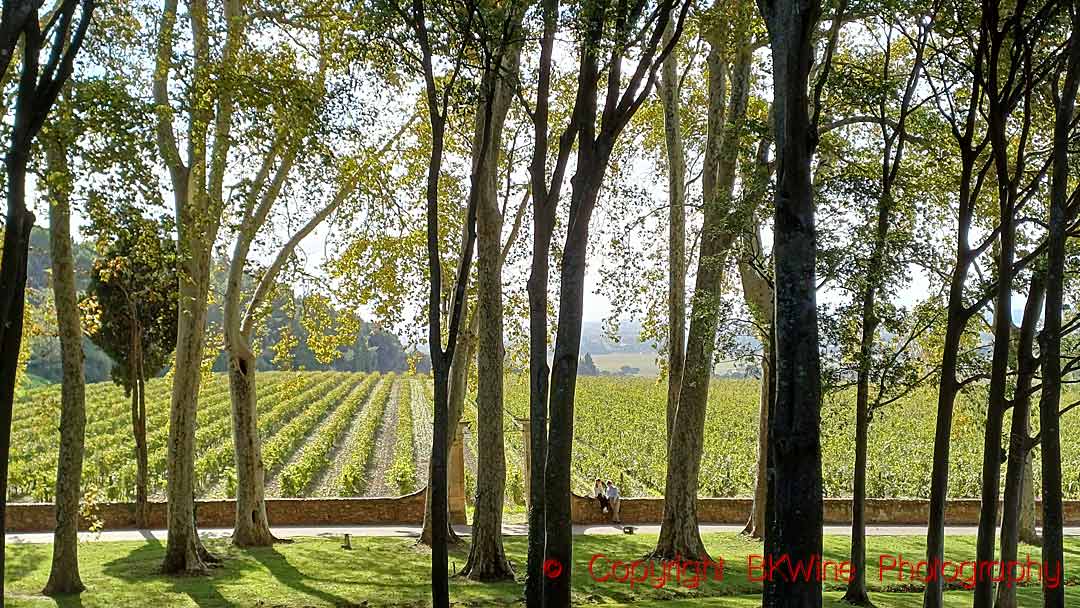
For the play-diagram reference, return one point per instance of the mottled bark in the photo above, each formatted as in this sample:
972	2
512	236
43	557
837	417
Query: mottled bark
1028	533
487	558
759	298
679	534
184	552
197	196
64	572
794	527
251	528
676	170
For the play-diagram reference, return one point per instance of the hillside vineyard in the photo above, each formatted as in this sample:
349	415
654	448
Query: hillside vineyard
353	434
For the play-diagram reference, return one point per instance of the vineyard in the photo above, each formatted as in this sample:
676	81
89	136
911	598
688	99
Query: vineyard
349	434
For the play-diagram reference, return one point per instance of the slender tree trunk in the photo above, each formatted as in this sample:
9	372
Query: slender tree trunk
1053	557
251	528
856	591
759	297
755	524
558	526
138	425
955	324
1019	462
539	375
12	305
676	159
437	488
1005	162
794	530
545	202
459	388
184	551
679	534
487	558
64	573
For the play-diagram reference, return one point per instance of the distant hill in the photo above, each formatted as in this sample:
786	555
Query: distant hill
625	354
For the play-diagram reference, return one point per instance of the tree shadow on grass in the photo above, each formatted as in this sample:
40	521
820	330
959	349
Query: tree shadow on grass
23	560
289	575
143	564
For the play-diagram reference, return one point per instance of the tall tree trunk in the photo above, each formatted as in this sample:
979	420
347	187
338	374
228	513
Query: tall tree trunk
197	196
956	321
759	298
676	159
957	317
1019	462
679	534
12	305
556	469
251	527
1050	338
36	94
545	202
998	116
487	558
794	529
184	551
459	388
138	425
892	155
64	572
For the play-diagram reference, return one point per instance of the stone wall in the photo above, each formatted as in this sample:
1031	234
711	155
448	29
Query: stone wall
409	510
39	517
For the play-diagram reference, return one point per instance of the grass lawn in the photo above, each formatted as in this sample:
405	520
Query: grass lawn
393	572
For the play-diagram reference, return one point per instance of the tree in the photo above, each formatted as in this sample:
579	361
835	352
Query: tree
460	32
131	299
1062	214
498	82
669	91
197	187
881	259
1012	53
64	572
794	508
21	33
292	105
642	24
723	222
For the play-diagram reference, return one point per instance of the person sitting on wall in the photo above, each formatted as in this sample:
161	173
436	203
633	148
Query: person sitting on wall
600	494
613	500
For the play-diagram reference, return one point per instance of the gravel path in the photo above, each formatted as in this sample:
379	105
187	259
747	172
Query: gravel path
383	458
326	483
422	426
